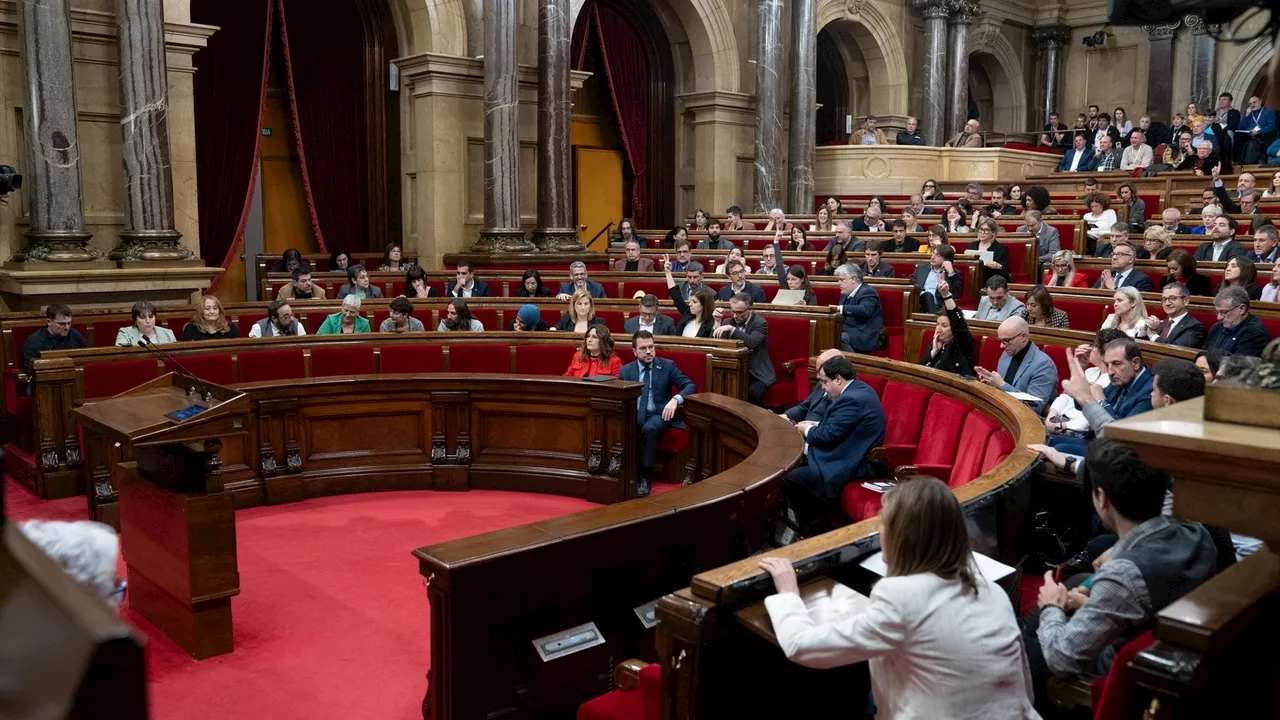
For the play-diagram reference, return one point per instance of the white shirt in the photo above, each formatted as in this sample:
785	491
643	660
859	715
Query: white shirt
1173	324
1075	161
1219	246
256	330
934	650
464	291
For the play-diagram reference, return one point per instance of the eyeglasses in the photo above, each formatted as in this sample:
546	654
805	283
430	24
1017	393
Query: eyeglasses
1223	313
1006	341
118	591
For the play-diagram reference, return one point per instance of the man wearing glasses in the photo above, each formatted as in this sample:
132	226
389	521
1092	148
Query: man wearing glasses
1178	327
1122	273
1237	332
1023	366
56	335
753	331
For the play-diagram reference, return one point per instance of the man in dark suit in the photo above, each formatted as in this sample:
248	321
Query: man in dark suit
1223	247
466	285
1077	159
1122	273
738	283
1128	394
860	306
869	222
927	276
1171	219
649	320
1178	327
579	281
633	262
1237	332
814	407
837	449
656	406
874	265
743	324
1266	245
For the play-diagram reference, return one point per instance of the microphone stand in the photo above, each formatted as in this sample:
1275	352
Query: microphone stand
156	350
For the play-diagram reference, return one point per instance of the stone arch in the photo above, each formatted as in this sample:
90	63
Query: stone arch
881	46
436	26
993	52
1254	61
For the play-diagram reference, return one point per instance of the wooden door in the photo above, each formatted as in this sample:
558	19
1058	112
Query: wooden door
286	222
598	179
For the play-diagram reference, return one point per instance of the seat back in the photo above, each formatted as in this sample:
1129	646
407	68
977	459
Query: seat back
999	445
264	365
972	448
399	358
480	358
543	359
331	360
487	317
1110	693
944	419
104	331
904	407
217	368
103	380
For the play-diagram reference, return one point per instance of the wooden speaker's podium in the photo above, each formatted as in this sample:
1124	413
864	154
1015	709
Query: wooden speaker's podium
177	523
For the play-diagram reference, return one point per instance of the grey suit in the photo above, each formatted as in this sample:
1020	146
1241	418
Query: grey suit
1012	306
662	325
1048	241
1037	375
754	333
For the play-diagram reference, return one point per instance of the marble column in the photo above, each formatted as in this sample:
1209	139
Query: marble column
56	231
933	116
1050	40
804	105
958	98
501	231
769	158
555	230
1160	72
148	233
1204	60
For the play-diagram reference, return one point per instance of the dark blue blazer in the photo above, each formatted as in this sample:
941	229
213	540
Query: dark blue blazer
1247	338
1271	257
665	376
1086	162
840	446
595	288
755	291
863	319
1132	399
814	407
478	289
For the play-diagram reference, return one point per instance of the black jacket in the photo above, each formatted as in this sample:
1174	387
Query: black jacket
1188	333
1000	254
957	355
687	317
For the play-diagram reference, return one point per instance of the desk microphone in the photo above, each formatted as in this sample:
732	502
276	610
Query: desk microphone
159	352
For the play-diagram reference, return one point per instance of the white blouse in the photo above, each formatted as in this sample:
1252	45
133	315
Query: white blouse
1100	223
1138	332
935	651
691	329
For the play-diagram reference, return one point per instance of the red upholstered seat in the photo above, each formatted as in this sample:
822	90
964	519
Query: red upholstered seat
480	358
103	380
543	359
653	287
550	315
1110	692
15	403
312	321
627	355
692	364
487	317
999	445
399	358
827	294
216	368
904	407
876	382
330	360
943	423
860	502
378	317
262	365
972	448
395	288
246	320
989	353
788	337
1082	314
639	704
673	441
104	331
1058	354
612	319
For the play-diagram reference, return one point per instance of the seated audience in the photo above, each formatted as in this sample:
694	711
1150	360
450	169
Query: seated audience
57	334
648	319
1237	332
458	318
794	278
769	258
777	221
968	137
799	241
734	254
1118	235
1209	212
684	256
738	283
289	260
633	262
1106	157
1129	313
1209	362
1233	367
401	320
579	281
911	135
955	220
837	255
656	410
911	218
869	135
1055	133
1122	273
415	284
1063	271
1047	238
1100	217
1138	154
844	237
1256	131
996	305
733	219
822	221
693	279
279	321
1133	209
700	218
952	348
392	259
924	661
1179	151
697	308
713	240
1182	271
870	221
1242	273
144	327
467	285
874	265
673	236
626	231
1064	416
1023	366
741	323
339	260
1271	291
1127	394
209	322
1077	158
1202	162
1157	242
939	269
814	407
1171	219
1000	204
528	319
860	307
987	241
88	552
1222	245
901	242
301	288
1178	327
358	284
930	192
1265	246
596	355
1038	309
1104	131
581	314
1176	380
348	321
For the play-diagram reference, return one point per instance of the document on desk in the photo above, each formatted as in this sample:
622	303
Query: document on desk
835	603
992	570
1024	397
985	256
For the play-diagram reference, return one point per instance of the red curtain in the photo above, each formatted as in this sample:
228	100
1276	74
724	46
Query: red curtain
230	93
324	65
626	75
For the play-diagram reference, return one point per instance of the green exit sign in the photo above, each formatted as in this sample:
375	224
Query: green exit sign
266	132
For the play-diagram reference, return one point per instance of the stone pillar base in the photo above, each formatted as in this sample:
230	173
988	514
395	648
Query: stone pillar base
557	240
66	249
503	240
152	246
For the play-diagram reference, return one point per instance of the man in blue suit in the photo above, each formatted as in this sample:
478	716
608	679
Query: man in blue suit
1238	331
860	306
656	407
579	281
1079	158
1128	394
815	406
467	285
837	449
1023	367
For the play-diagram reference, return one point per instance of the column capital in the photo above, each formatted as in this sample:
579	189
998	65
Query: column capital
1198	26
1166	31
931	9
1051	36
962	11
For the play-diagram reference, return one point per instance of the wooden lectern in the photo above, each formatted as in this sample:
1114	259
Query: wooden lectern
177	524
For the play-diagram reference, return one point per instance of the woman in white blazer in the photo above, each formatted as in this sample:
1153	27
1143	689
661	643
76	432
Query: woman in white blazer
144	326
941	639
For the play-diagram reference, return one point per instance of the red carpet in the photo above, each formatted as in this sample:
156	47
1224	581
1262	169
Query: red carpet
332	617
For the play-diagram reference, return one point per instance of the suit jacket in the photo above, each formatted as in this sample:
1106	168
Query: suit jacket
813	407
863	319
662	325
754	333
859	224
1012	306
595	288
840	446
1233	249
1048	241
677	295
1037	375
1227	200
721	243
665	375
1105	250
1086	160
999	254
1136	278
645	265
1189	332
755	291
955	280
1247	338
478	289
1271	257
1132	399
883	270
1196	284
964	140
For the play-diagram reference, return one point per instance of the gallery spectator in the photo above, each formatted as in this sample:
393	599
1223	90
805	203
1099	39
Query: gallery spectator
911	135
969	137
1078	158
1106	158
869	134
301	288
1055	133
1256	132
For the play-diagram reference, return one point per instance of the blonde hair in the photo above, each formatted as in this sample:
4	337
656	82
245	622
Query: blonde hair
1139	317
197	319
923	531
573	306
1158	234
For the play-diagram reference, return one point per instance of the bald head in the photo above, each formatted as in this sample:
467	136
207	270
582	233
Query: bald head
1014	335
827	355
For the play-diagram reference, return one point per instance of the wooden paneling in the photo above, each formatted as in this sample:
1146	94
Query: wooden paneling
598	192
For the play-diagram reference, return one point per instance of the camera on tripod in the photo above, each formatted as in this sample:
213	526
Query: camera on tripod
10	180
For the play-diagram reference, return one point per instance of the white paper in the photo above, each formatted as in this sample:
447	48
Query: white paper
1024	397
840	603
968	314
787	296
992	570
985	255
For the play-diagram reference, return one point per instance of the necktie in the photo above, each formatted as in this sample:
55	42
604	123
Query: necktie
644	403
1164	332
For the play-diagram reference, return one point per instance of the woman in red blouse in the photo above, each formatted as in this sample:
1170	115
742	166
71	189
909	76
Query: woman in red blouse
596	357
